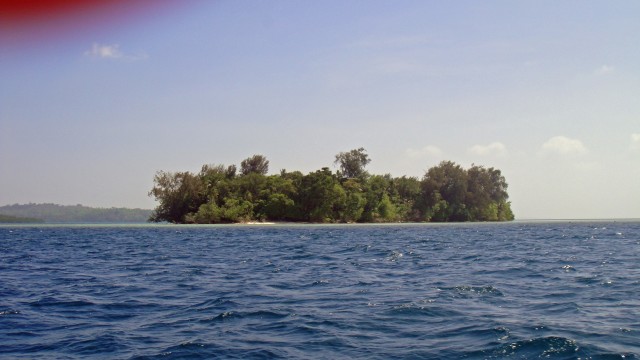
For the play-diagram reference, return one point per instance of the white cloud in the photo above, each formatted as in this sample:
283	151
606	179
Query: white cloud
605	69
427	151
495	149
105	51
111	51
563	145
635	142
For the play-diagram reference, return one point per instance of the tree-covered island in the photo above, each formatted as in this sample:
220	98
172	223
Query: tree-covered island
221	194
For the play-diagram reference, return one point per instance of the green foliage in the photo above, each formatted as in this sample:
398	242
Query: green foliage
406	194
386	209
504	211
353	203
376	188
277	207
352	163
208	213
449	180
237	210
180	193
447	192
320	195
8	219
257	164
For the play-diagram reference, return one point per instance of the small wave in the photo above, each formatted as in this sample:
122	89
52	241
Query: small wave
365	283
213	303
588	279
234	315
51	301
412	309
23	334
568	268
466	290
224	316
321	282
202	350
9	312
103	344
554	347
544	347
395	256
558	308
128	305
478	332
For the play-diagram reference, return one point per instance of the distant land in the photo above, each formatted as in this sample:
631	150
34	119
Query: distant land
53	213
7	219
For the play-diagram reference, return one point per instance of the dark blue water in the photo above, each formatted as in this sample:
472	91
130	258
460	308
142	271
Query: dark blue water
476	291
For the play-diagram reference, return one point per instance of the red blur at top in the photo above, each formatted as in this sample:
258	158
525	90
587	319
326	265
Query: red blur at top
28	21
34	10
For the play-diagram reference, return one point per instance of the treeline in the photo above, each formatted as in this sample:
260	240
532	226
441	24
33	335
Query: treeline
221	194
7	219
53	213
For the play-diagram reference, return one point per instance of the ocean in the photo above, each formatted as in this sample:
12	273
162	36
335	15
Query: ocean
519	290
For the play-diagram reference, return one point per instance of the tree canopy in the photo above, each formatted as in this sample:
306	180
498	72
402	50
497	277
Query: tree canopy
256	164
352	163
217	194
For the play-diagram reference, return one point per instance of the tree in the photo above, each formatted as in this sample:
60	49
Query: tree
277	207
386	209
255	164
320	195
179	194
354	201
251	185
352	163
208	213
293	191
235	210
487	195
275	200
448	182
376	187
231	171
406	191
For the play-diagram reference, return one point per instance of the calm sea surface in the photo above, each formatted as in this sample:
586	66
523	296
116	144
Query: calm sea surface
523	290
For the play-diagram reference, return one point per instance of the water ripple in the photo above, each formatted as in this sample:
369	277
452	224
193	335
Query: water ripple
473	291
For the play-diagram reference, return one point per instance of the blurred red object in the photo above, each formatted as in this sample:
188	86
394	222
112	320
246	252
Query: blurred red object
27	21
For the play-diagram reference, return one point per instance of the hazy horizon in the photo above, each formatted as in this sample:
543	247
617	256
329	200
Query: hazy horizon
93	104
517	219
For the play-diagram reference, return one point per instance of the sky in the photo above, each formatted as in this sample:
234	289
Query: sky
93	104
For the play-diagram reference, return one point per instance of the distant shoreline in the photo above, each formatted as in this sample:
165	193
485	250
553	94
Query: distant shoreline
54	213
9	219
320	225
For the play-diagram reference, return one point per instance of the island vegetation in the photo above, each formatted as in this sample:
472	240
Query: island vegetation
8	219
222	194
54	213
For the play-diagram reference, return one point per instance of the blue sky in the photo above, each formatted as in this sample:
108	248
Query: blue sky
546	91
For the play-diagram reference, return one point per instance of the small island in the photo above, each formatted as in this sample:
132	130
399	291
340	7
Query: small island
219	194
